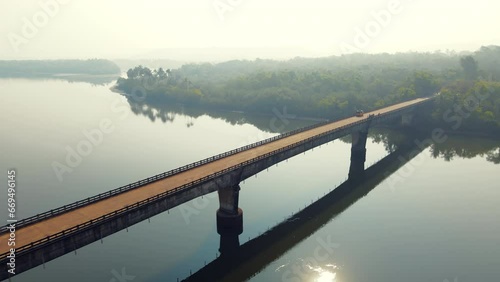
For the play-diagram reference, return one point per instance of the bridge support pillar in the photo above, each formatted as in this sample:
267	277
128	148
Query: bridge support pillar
229	220
229	216
358	155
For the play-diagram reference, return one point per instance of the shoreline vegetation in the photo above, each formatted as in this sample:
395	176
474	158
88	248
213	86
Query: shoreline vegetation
270	114
468	86
58	68
94	71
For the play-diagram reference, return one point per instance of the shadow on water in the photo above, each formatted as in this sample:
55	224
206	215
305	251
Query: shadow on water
277	121
243	262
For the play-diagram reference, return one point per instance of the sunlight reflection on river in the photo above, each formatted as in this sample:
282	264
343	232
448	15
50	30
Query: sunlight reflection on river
307	270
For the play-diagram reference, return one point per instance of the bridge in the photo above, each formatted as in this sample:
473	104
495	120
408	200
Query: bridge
46	236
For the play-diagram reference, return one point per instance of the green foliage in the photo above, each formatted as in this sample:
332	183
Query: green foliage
331	87
469	66
469	106
160	86
488	58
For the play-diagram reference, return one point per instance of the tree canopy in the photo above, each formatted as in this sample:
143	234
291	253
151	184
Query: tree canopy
333	87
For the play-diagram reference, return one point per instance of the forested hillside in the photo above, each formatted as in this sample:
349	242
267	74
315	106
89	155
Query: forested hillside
335	87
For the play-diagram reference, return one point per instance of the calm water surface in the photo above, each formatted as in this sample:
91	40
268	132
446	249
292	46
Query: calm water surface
438	221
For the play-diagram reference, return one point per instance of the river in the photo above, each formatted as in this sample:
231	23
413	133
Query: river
435	219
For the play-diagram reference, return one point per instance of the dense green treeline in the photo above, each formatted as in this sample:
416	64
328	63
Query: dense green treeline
469	106
335	87
27	68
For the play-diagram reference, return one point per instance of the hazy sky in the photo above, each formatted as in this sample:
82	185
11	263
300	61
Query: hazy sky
126	28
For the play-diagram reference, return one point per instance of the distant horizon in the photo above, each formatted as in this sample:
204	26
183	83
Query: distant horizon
199	55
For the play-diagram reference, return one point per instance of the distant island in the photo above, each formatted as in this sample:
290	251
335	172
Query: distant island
44	68
467	85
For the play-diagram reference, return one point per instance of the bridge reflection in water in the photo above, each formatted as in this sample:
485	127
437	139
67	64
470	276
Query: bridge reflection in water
52	234
240	263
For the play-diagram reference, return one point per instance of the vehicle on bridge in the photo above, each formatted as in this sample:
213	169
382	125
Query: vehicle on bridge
359	113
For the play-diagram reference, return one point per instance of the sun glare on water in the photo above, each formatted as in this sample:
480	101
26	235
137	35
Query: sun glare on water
326	276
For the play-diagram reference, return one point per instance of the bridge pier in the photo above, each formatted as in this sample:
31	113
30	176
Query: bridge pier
229	216
229	219
229	244
358	155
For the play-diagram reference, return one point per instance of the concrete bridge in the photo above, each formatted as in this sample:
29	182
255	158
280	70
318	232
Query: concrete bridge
47	236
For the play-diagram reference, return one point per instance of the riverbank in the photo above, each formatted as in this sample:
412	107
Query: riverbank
273	113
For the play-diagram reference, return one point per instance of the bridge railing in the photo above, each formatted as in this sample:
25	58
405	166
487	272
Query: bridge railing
94	222
80	227
142	182
128	187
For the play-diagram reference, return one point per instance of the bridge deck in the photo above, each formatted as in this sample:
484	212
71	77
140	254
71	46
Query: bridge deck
53	225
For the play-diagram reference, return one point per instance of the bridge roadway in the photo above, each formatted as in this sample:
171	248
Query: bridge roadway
53	225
